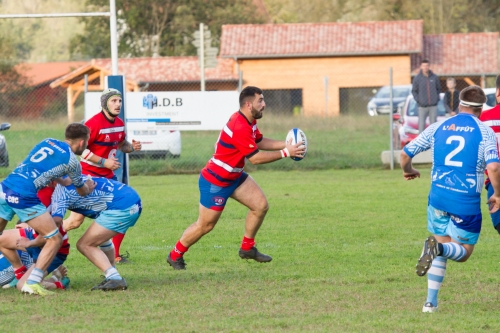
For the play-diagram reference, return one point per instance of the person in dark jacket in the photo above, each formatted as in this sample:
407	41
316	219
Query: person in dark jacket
426	89
451	99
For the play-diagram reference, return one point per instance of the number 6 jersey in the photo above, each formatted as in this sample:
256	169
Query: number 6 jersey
50	159
461	146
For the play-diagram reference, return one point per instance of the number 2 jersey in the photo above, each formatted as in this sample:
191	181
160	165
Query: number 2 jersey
461	146
107	195
48	160
105	136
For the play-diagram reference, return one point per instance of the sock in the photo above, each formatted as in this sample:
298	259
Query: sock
178	251
112	274
247	243
453	251
35	277
117	241
59	285
20	272
435	277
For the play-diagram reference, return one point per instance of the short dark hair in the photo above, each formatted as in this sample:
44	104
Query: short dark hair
473	94
425	61
249	93
76	131
498	82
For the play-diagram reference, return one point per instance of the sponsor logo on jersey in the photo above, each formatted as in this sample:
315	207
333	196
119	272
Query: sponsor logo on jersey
455	128
107	138
55	146
251	145
219	201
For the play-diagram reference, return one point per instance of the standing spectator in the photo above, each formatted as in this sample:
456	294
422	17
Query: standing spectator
426	89
451	97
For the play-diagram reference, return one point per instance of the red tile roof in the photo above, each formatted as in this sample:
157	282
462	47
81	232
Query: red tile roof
459	54
321	39
39	73
169	69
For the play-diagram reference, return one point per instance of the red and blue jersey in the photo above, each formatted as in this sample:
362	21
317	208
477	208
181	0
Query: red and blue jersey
491	118
237	142
105	136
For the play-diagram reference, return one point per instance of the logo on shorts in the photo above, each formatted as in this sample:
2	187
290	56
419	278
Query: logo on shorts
12	199
219	201
462	238
456	219
30	214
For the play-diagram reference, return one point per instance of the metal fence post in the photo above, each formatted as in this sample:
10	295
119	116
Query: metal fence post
391	118
202	57
240	81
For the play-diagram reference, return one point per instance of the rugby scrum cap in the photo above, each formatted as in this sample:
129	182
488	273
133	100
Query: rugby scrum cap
106	95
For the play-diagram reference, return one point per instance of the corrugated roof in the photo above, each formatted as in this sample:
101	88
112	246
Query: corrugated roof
459	54
39	73
321	39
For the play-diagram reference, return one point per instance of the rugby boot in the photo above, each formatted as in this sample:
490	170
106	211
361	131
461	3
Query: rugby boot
111	285
254	254
176	264
429	308
429	252
11	284
36	289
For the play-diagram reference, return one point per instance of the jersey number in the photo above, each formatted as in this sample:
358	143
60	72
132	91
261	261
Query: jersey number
461	145
41	154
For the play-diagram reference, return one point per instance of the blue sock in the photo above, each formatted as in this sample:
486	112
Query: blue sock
35	277
112	274
435	277
453	251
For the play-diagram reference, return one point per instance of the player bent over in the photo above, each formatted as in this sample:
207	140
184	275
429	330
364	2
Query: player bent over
223	177
7	275
49	160
25	239
115	207
463	147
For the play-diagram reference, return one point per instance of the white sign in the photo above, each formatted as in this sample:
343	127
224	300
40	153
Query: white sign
183	110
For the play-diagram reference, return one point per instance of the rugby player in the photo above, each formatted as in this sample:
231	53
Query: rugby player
49	160
463	147
223	177
107	135
115	208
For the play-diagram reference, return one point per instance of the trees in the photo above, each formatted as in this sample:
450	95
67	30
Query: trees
158	27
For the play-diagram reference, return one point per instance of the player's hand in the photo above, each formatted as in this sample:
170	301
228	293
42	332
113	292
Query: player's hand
296	150
494	203
136	145
412	174
23	243
91	184
112	163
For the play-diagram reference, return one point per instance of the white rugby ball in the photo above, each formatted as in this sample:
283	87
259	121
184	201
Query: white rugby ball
296	135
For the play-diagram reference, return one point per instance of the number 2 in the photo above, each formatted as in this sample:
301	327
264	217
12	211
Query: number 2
41	154
461	145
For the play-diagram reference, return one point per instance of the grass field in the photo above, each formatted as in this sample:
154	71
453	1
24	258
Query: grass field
344	244
339	143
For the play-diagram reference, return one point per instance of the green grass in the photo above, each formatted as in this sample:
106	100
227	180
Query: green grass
344	243
338	143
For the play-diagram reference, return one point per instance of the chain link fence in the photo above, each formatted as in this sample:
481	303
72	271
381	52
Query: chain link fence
346	126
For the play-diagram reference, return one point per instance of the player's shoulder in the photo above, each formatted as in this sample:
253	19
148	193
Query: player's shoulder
491	114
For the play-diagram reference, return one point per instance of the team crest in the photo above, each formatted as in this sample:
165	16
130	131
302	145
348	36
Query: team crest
107	138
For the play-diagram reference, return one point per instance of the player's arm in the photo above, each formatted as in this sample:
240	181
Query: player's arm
270	144
75	174
128	147
262	157
109	163
408	171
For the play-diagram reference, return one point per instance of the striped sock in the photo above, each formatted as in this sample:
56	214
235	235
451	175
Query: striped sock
112	274
453	251
435	277
35	277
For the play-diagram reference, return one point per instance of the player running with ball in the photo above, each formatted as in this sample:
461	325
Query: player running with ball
223	177
463	147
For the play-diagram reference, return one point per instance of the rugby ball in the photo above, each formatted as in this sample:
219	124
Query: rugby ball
296	135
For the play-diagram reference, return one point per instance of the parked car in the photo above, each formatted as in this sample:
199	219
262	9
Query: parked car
406	121
380	103
4	154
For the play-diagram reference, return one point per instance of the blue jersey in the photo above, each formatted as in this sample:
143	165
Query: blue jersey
50	159
461	146
107	195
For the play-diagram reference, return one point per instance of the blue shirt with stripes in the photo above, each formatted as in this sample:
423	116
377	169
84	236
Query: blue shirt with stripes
108	195
461	147
48	160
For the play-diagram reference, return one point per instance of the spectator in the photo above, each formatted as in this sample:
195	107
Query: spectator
426	89
451	97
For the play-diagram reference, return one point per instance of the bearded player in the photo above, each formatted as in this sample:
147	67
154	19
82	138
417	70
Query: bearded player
107	134
223	177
